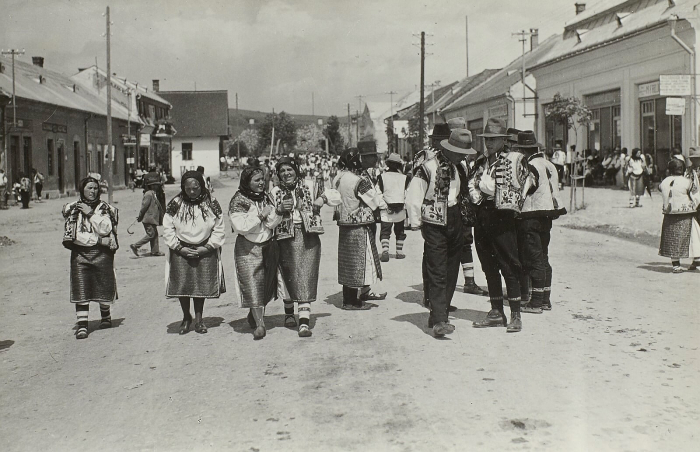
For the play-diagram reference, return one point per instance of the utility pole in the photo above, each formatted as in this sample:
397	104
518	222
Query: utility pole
432	95
357	127
349	124
421	110
523	37
109	116
13	52
238	140
312	103
391	108
466	34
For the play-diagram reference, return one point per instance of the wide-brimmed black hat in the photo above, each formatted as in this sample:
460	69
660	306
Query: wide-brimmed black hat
460	142
513	134
527	140
441	131
367	147
495	128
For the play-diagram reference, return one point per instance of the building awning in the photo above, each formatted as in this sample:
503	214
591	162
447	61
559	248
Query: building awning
147	130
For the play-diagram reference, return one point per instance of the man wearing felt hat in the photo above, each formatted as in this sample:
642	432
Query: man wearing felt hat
440	132
433	204
392	184
512	139
542	204
495	231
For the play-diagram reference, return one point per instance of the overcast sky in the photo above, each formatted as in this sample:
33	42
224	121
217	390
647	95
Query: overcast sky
275	53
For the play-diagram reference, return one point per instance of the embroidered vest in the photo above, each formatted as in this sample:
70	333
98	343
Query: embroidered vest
434	207
546	200
353	212
304	204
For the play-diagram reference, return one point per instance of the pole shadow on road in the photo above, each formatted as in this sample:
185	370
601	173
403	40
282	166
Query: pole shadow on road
4	345
210	322
658	267
271	321
94	325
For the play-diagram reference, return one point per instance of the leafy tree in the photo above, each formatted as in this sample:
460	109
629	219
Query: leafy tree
285	131
308	138
336	142
249	139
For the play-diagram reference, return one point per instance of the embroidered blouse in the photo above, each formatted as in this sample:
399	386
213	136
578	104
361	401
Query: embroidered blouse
245	219
195	231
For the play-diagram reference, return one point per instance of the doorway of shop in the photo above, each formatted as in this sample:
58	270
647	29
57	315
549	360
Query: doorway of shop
76	164
60	157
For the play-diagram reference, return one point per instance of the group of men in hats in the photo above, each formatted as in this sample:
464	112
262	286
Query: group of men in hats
451	192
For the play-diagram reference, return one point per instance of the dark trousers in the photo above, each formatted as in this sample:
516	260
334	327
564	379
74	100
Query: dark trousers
441	253
151	236
467	257
24	196
497	247
385	232
38	187
533	243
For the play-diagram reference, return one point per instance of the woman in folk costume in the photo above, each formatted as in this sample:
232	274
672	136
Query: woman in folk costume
256	253
636	169
193	229
358	259
393	185
91	235
297	202
680	232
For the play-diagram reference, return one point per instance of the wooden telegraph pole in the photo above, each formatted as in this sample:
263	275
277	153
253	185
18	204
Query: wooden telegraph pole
110	147
421	110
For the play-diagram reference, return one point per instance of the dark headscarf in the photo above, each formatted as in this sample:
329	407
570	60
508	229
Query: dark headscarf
353	161
202	201
83	199
244	186
291	163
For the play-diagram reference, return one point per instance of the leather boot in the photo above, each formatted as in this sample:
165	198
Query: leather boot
493	318
516	324
471	287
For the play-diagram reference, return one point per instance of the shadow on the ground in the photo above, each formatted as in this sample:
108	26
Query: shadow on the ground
95	324
658	267
471	315
209	322
241	326
420	320
4	345
337	300
411	297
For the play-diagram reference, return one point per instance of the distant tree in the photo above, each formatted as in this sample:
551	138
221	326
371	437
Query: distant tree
249	139
308	138
336	142
285	132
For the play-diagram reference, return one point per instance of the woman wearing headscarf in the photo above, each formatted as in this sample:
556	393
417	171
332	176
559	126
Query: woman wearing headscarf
636	169
298	202
193	229
90	232
254	219
358	259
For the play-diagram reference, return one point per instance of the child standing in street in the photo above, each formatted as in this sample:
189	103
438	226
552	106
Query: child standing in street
680	231
393	186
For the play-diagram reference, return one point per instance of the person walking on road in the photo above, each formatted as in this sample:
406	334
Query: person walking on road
433	204
393	184
298	202
25	190
635	169
256	253
3	189
495	231
358	260
680	231
38	183
150	215
90	233
194	231
542	204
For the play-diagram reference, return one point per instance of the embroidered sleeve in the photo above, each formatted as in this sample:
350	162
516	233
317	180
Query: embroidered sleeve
216	207
173	206
364	186
422	173
239	204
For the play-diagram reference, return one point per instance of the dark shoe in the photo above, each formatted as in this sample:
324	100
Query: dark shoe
82	333
156	254
290	321
356	307
385	256
251	320
304	331
493	318
373	296
472	288
200	328
259	333
106	323
516	324
529	309
547	307
400	255
135	250
442	328
185	326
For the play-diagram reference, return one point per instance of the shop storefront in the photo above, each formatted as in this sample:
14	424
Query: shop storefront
605	129
660	133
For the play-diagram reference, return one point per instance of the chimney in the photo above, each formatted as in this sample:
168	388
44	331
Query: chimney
534	38
38	61
156	86
580	7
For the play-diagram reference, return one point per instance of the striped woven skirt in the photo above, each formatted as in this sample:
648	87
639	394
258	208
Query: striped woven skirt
675	235
92	275
199	278
358	259
300	257
256	271
636	185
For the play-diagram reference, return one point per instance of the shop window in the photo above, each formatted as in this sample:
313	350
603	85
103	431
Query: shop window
186	151
49	157
554	132
660	132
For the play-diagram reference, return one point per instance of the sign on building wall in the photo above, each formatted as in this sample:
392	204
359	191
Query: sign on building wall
21	123
674	85
648	89
498	111
55	128
675	106
145	139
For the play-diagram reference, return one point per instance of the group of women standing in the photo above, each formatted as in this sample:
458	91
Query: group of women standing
277	251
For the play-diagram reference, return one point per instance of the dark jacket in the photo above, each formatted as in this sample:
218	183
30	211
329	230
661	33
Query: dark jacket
151	210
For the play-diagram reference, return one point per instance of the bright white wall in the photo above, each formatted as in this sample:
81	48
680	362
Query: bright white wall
205	152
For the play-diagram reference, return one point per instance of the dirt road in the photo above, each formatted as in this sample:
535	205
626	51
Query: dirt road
612	367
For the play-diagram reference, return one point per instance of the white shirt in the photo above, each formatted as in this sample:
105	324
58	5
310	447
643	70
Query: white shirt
195	230
90	231
249	225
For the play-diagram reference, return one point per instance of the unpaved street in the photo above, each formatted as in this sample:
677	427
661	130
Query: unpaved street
613	366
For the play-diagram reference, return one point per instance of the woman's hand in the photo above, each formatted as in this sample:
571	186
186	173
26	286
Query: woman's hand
287	205
319	202
267	210
84	208
189	253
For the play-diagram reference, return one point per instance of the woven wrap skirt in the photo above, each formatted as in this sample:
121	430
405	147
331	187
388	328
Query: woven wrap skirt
636	185
92	275
675	235
198	278
300	258
358	259
256	271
